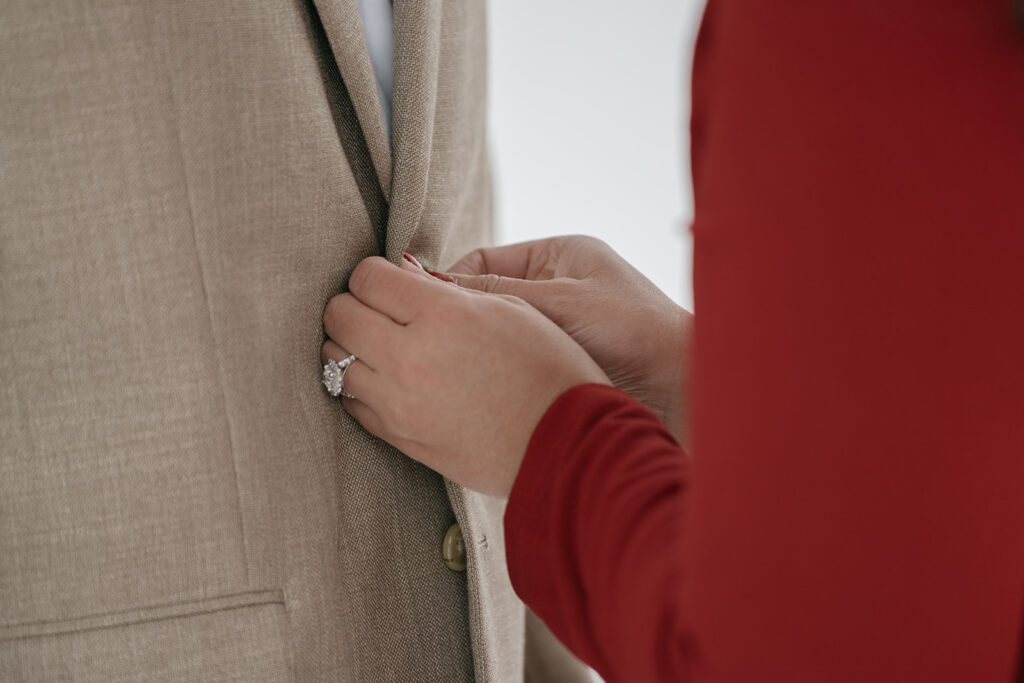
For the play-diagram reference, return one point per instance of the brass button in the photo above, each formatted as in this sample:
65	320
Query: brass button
453	549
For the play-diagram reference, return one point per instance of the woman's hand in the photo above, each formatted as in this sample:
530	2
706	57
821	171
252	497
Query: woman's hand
455	378
632	330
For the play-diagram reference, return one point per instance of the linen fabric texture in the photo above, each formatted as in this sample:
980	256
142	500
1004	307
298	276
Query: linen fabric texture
183	186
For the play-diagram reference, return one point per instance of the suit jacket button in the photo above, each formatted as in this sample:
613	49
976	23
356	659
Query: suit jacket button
453	549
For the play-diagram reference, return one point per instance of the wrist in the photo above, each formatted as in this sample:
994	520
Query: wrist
537	406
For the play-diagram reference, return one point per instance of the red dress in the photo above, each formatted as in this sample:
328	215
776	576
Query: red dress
854	510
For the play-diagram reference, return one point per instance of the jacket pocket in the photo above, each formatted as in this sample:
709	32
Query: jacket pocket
239	637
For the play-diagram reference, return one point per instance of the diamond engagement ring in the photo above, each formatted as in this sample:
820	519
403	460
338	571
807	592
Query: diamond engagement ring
334	376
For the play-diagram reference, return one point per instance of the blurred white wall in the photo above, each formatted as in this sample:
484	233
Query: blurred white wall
589	108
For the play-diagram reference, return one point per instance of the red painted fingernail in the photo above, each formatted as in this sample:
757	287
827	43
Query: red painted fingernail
442	276
412	259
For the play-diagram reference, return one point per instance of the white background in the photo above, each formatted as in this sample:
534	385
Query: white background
589	110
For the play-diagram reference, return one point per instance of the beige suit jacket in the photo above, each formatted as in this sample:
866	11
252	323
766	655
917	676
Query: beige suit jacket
183	185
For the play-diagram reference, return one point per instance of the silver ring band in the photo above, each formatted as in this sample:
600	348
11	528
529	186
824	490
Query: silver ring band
334	376
345	365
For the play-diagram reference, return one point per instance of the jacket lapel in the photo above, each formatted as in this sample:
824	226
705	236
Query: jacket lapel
344	29
417	40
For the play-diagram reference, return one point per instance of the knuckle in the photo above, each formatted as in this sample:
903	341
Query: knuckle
336	313
492	283
475	260
565	290
365	273
590	242
331	312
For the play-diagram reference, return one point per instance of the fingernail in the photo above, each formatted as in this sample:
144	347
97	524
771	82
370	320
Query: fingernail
412	259
442	276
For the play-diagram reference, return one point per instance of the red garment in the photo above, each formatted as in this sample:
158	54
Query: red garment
855	507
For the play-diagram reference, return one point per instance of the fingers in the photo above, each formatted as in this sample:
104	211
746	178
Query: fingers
396	292
364	384
494	284
354	325
360	379
410	264
524	261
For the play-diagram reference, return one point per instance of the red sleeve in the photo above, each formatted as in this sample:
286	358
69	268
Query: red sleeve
589	531
855	507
